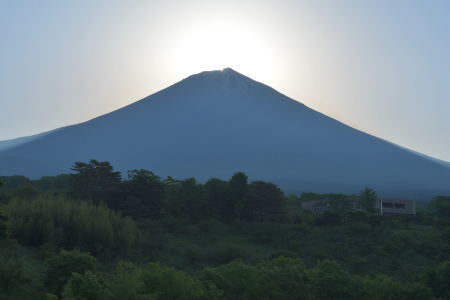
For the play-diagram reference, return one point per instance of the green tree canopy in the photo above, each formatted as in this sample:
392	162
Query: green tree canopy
60	267
165	283
86	286
439	280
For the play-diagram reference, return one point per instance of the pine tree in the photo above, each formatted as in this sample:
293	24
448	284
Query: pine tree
368	199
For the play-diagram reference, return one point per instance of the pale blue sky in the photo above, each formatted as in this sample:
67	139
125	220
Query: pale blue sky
379	66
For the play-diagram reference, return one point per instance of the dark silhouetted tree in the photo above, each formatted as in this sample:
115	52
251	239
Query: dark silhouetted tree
185	199
264	201
218	199
144	192
238	189
368	199
96	181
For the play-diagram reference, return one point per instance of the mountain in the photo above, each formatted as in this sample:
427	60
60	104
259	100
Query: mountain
5	145
215	123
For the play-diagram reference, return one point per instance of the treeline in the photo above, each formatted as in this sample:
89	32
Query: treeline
145	195
95	235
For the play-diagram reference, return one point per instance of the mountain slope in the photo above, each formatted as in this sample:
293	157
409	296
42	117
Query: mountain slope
8	144
215	123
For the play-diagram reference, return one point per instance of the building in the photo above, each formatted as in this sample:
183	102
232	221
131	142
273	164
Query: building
316	206
397	206
386	206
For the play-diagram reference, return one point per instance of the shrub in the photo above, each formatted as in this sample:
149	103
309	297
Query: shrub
170	284
59	268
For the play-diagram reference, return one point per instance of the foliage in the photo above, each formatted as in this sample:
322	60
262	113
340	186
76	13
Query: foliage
219	200
144	195
330	218
330	281
264	201
166	283
441	207
4	228
13	182
124	282
68	224
238	190
96	180
26	191
60	267
185	199
237	280
53	183
439	279
368	199
385	287
86	286
213	240
19	274
284	278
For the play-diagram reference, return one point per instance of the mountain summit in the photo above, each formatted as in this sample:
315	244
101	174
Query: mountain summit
215	123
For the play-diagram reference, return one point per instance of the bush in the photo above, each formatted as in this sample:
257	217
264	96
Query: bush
166	283
18	278
237	280
124	282
85	286
61	267
439	280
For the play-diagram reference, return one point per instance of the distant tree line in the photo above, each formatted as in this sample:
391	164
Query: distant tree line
145	195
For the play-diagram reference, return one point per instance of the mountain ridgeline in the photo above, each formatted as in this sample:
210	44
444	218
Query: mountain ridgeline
215	123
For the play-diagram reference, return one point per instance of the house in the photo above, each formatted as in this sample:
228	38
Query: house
316	206
386	206
397	206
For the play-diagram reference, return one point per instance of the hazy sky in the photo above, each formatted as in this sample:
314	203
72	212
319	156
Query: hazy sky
380	66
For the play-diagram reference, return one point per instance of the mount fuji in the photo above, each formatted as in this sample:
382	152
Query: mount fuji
215	123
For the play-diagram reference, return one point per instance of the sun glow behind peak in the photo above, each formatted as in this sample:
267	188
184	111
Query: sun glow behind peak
217	45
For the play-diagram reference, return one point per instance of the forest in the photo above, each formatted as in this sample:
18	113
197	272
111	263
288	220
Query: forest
94	234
